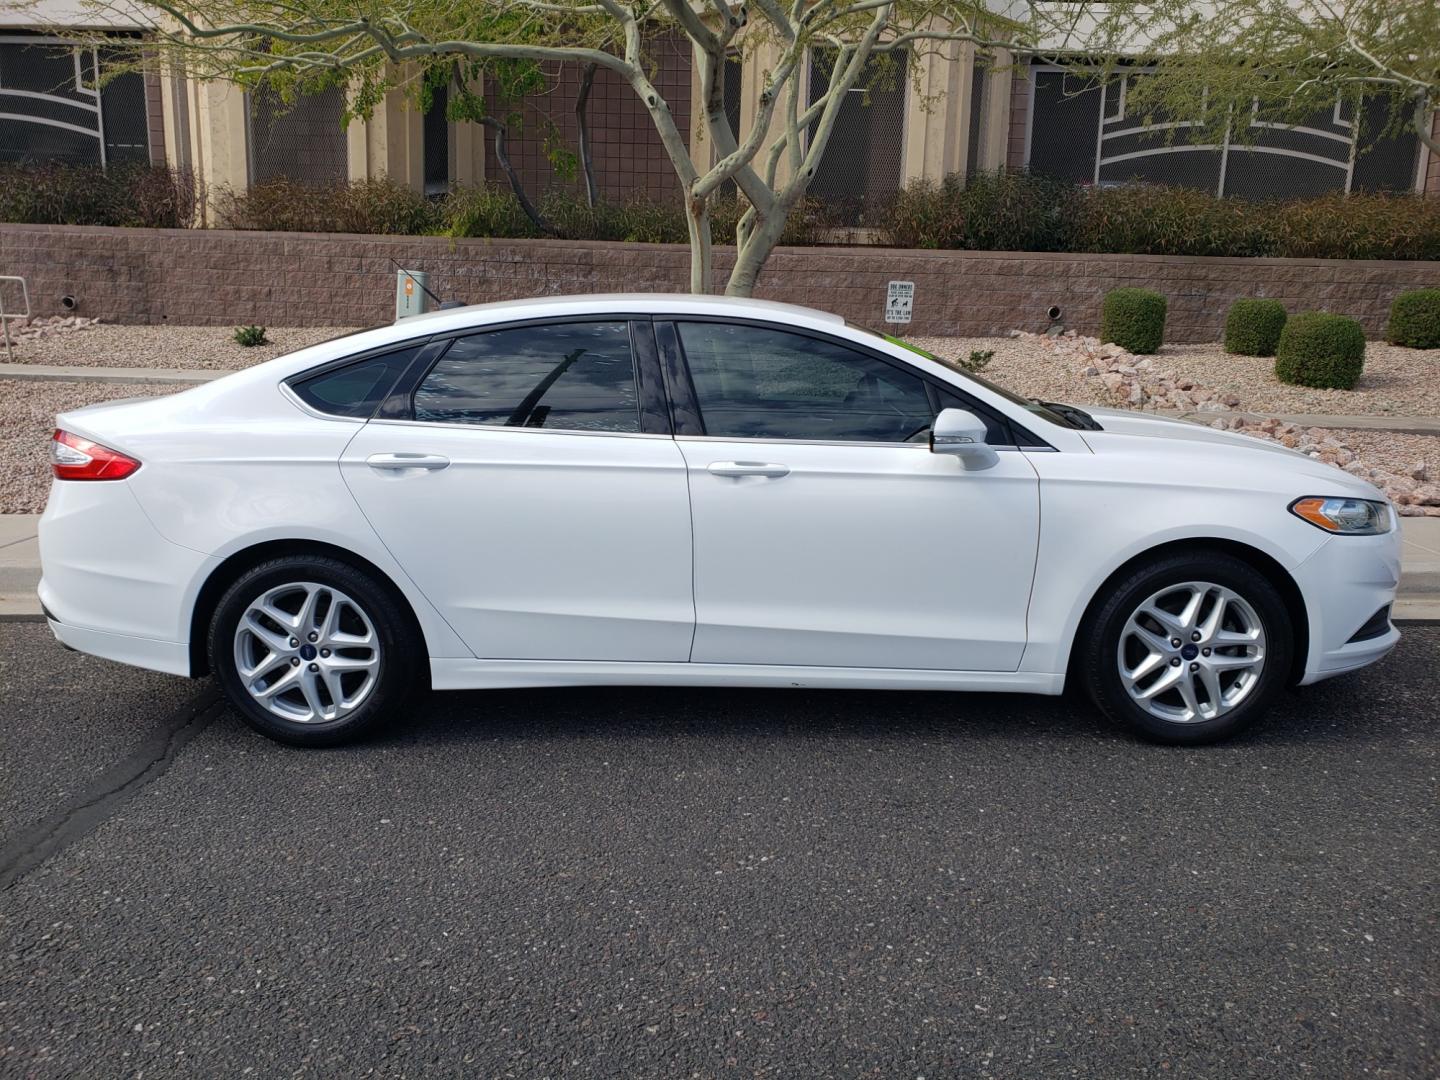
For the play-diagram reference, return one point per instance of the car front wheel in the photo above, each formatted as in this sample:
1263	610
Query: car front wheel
311	650
1188	648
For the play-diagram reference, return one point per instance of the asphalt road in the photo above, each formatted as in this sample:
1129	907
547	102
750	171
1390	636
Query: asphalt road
644	883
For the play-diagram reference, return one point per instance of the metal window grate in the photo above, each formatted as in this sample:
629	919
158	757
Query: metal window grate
861	167
1086	134
303	142
52	110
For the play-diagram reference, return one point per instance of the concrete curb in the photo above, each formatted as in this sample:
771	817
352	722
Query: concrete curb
60	373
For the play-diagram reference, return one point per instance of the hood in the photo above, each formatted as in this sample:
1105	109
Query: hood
1228	449
1126	422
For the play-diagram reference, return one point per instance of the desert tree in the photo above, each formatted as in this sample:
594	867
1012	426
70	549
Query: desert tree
372	47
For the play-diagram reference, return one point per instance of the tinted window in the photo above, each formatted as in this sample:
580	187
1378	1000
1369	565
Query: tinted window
755	383
578	376
355	389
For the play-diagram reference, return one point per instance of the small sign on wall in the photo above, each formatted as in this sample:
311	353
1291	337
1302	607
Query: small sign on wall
899	301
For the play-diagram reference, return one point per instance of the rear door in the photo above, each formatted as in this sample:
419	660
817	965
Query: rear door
529	485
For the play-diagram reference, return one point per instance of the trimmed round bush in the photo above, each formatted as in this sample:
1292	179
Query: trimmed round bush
1252	327
1415	319
1134	319
1321	350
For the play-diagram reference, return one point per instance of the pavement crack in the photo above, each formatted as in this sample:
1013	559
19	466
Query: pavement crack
103	796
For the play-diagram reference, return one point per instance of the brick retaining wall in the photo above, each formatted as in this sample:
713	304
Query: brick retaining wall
305	279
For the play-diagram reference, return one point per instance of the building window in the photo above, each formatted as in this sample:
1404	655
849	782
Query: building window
862	161
1085	132
51	108
436	134
302	141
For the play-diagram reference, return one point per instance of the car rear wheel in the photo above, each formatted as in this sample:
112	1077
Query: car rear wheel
312	651
1188	648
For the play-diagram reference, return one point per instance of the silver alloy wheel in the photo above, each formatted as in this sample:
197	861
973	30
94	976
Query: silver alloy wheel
307	652
1191	652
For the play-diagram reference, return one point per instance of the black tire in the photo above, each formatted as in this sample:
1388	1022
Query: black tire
1097	645
401	649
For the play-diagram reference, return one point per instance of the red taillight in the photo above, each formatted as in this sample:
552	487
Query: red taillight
74	458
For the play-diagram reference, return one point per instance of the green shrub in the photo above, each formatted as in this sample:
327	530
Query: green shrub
1134	319
1140	219
361	206
1252	327
1415	319
978	361
249	336
986	212
484	211
1025	212
1321	350
1357	226
133	196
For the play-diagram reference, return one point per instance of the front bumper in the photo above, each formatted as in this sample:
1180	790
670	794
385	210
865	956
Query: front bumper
1346	581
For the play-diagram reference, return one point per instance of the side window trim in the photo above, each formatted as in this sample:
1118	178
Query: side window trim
684	405
400	405
649	379
690	422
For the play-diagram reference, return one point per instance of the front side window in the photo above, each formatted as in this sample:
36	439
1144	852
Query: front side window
754	382
573	376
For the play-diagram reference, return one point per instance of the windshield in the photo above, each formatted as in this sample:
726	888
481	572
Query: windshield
1030	405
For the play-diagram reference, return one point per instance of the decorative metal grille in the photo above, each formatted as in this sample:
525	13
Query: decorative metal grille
1081	130
302	142
52	110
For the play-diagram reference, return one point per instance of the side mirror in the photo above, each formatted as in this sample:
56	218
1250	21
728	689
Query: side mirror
962	433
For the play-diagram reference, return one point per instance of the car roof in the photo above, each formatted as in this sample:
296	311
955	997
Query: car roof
603	303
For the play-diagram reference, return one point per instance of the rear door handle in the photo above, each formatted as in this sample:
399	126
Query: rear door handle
747	468
407	461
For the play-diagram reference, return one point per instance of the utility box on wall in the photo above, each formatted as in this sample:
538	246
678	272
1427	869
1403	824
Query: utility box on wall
410	295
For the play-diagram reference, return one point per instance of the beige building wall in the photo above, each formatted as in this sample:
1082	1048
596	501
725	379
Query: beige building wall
205	129
935	142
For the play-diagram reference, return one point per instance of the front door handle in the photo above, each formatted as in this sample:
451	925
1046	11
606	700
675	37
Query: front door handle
747	468
407	461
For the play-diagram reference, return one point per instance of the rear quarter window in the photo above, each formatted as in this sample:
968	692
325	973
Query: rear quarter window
357	388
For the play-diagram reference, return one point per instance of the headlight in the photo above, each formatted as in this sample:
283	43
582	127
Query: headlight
1352	517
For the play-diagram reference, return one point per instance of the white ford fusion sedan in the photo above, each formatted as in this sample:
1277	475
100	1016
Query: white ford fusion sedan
674	489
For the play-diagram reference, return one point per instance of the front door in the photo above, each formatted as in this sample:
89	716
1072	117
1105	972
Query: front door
528	503
826	533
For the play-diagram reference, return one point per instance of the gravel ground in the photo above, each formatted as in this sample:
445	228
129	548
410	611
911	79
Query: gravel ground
207	347
1397	381
27	418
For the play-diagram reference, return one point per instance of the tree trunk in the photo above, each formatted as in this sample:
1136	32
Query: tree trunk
503	157
702	269
582	121
754	250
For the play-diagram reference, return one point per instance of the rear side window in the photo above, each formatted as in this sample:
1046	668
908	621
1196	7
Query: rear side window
354	389
558	376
